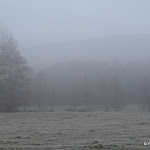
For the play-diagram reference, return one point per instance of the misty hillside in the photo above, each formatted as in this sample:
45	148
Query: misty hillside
125	48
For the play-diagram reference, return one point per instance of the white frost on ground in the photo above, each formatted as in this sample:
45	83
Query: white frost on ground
74	131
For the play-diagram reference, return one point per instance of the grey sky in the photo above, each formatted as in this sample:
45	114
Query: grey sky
35	22
59	20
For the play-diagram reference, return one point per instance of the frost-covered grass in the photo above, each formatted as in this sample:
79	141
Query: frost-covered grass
74	131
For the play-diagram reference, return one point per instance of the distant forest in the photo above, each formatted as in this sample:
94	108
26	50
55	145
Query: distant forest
75	83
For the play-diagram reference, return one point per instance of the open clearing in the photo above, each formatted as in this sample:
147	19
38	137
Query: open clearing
74	131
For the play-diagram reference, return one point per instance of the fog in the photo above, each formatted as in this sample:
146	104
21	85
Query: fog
74	74
49	31
67	52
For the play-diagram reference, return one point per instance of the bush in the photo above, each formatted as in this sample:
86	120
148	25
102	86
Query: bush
85	109
71	109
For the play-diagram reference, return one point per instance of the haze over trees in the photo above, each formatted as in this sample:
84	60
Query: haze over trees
110	85
74	74
96	83
14	74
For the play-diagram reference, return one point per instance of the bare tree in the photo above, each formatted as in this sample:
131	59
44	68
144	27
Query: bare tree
116	93
85	90
40	89
53	99
104	94
146	92
13	71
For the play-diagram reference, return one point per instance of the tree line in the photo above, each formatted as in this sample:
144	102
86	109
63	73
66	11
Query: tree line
110	85
85	83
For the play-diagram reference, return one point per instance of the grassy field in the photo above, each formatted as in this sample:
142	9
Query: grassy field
74	131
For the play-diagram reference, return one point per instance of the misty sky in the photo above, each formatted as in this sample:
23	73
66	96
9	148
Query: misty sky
59	20
35	22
